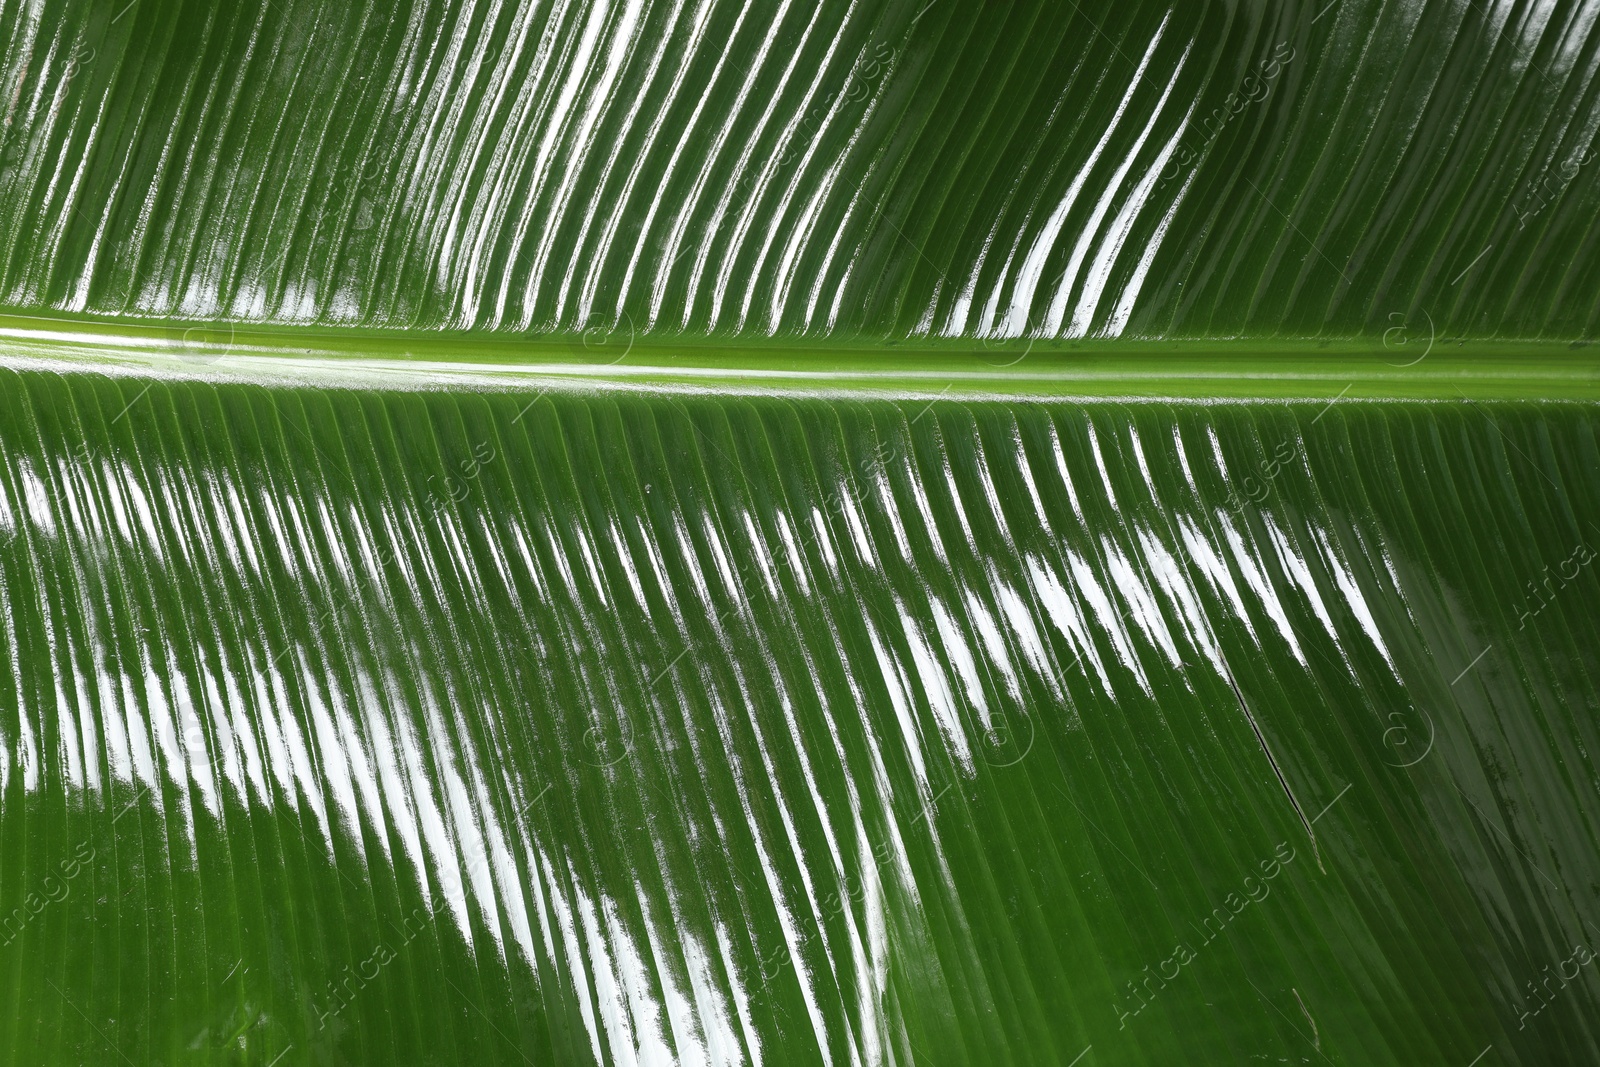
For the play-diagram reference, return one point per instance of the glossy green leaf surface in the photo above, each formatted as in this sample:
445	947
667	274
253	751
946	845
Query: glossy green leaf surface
906	168
375	725
722	532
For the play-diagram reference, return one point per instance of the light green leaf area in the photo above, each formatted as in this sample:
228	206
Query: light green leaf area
748	532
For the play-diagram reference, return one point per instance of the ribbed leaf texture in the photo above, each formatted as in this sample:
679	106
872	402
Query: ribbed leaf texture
369	726
901	169
729	532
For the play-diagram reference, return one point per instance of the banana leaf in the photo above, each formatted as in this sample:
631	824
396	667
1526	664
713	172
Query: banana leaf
732	531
